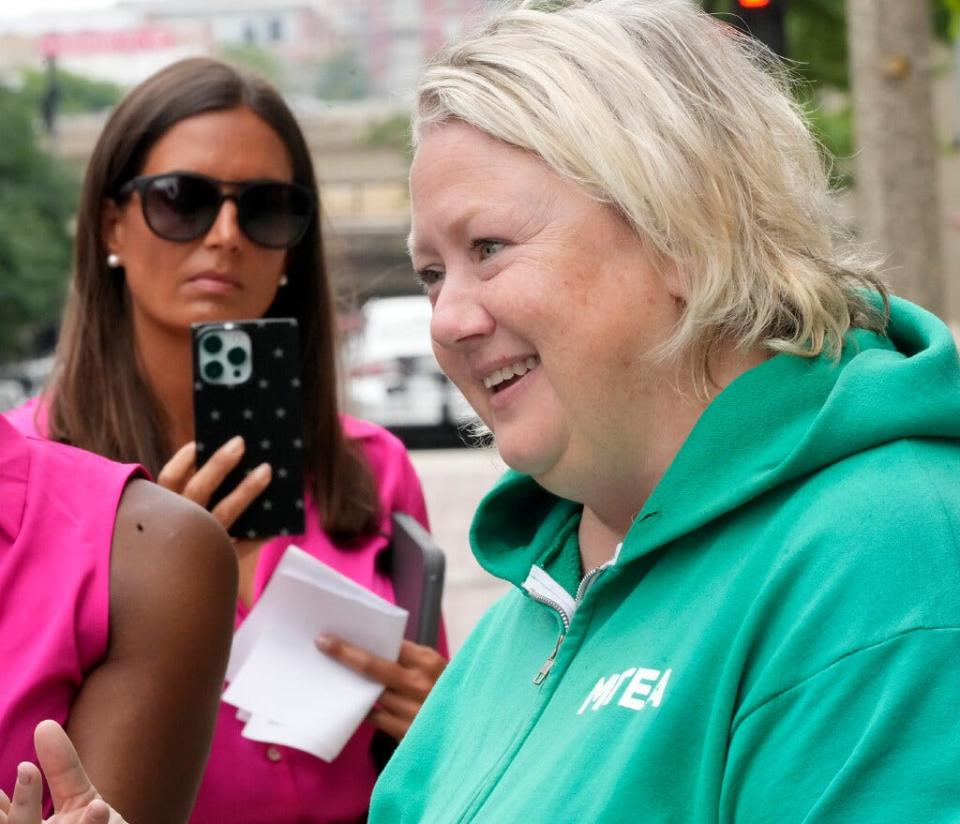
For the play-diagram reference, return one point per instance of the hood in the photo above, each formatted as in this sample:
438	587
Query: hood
775	423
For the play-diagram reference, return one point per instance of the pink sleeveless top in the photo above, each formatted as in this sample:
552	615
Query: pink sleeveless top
248	782
57	511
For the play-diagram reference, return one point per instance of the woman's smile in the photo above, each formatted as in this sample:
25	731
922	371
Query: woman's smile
500	378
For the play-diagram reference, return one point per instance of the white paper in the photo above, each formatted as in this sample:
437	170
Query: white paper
286	690
259	728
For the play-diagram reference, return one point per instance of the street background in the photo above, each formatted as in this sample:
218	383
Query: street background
454	481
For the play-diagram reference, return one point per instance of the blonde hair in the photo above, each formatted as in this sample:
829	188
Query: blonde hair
688	129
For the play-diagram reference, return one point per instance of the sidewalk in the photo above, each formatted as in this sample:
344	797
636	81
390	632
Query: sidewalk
454	481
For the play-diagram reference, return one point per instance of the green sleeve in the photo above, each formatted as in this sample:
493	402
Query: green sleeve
872	737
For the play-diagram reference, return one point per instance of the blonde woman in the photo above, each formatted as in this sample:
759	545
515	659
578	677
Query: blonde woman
733	520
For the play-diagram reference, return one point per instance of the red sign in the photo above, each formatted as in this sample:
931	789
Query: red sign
754	4
117	41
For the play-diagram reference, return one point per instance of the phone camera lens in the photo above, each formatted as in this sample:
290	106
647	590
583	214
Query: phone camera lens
213	370
212	344
236	356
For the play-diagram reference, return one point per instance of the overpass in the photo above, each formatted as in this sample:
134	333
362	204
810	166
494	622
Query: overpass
363	192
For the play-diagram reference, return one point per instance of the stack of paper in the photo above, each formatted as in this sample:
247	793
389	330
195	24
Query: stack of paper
288	691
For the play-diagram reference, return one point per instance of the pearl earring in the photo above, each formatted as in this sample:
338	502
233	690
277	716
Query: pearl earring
113	261
284	280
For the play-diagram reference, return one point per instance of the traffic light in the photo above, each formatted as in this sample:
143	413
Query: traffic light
764	20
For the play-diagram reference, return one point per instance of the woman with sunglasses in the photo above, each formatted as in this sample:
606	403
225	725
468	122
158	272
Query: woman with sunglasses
200	204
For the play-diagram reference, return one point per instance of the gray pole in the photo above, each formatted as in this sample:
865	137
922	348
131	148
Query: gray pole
898	199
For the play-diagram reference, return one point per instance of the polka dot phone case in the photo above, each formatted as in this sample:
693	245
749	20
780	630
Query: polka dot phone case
246	381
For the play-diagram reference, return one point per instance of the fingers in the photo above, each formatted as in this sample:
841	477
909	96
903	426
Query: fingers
393	676
396	703
69	786
422	667
181	475
407	682
205	480
394	726
397	708
25	805
179	469
425	659
99	812
413	676
236	503
366	663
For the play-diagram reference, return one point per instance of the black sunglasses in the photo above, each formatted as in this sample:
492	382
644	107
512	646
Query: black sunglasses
182	206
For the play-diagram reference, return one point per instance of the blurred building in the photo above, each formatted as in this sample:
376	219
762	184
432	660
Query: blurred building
131	40
396	37
336	49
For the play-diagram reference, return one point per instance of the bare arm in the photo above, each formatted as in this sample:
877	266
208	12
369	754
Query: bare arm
144	718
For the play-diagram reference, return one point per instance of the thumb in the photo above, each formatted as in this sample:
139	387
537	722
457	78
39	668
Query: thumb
98	812
68	783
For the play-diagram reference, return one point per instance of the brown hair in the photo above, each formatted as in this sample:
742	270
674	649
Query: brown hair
99	399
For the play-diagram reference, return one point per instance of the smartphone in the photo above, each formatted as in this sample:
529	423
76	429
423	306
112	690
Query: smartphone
417	567
246	381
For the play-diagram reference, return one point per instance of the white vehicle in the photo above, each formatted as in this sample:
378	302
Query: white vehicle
12	393
394	379
21	380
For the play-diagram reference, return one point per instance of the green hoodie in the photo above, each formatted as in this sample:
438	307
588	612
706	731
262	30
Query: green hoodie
778	639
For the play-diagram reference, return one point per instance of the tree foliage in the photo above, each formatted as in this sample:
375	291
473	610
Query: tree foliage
342	77
256	59
392	133
816	33
37	199
77	94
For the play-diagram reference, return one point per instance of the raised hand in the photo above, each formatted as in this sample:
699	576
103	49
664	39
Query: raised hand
180	475
75	799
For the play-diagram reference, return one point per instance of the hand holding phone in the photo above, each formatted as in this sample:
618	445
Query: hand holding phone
180	475
247	383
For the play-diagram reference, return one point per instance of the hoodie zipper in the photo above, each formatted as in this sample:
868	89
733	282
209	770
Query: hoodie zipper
543	589
548	664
